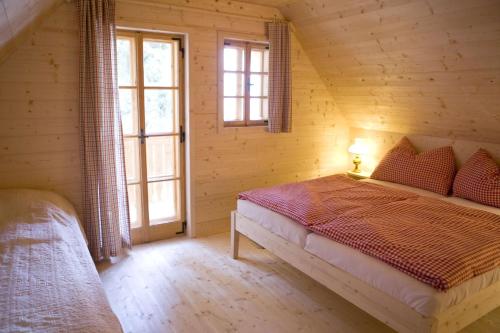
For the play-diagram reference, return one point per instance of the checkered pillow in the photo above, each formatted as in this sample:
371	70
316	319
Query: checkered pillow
432	170
479	180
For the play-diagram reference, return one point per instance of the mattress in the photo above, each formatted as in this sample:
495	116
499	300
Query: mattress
48	281
421	297
276	223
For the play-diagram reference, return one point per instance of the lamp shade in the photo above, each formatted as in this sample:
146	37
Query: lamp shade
358	147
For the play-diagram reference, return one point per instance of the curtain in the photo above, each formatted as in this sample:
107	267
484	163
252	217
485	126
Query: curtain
280	79
105	202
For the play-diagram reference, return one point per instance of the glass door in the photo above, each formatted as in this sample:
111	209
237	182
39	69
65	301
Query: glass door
150	82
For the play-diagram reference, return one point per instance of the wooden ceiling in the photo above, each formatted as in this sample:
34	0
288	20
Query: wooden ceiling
410	66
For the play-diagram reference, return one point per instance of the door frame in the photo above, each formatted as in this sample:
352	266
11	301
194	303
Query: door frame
150	232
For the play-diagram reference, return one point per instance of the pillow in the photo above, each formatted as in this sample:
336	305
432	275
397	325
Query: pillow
432	170
479	180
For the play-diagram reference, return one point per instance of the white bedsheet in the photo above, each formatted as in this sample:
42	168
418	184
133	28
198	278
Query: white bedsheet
48	282
421	297
274	222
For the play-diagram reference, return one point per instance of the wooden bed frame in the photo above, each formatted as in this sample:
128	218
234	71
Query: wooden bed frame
385	308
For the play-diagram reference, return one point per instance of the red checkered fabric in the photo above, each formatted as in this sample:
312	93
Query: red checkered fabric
105	200
479	180
436	242
432	170
317	201
280	77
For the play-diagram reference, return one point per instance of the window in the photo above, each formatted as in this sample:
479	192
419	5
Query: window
245	80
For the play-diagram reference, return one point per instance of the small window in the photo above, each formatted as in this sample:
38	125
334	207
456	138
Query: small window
245	77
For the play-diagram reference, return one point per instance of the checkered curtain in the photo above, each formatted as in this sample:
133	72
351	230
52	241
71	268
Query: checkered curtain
105	202
280	78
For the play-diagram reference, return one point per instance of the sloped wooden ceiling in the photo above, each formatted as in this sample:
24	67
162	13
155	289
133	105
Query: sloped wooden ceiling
17	15
411	66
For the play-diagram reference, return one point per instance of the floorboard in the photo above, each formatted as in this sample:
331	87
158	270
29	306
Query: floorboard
192	285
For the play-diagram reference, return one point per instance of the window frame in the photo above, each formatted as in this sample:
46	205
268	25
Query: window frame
249	42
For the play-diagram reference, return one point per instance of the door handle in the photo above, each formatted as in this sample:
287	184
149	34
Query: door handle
143	136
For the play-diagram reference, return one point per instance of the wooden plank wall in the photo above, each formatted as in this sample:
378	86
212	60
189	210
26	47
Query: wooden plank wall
226	162
429	67
39	111
379	143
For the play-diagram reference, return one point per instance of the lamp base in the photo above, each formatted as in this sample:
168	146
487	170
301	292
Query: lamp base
356	161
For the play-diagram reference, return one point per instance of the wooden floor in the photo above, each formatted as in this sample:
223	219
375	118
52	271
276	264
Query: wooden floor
192	285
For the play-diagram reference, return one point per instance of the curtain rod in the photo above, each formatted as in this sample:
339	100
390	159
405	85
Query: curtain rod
275	18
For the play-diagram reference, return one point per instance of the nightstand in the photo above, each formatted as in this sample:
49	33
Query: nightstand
360	175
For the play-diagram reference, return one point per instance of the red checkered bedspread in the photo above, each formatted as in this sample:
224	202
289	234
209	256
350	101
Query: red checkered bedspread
434	241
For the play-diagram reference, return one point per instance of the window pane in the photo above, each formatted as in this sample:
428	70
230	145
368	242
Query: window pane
163	201
234	84
158	64
256	85
233	109
256	109
126	61
128	110
134	205
160	153
234	58
132	168
160	108
256	63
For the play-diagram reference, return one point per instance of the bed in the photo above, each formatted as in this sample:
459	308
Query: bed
48	281
397	299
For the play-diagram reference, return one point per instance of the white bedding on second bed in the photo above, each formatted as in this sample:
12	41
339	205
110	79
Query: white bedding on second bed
421	297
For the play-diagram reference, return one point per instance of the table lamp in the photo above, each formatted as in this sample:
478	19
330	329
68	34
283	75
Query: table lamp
357	148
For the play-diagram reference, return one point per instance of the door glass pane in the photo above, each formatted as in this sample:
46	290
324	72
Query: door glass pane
160	108
161	153
128	110
256	109
256	85
234	84
265	108
256	63
265	67
134	205
265	85
158	64
132	159
233	109
234	58
163	201
126	61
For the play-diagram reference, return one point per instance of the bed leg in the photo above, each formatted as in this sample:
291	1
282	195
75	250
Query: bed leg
235	237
